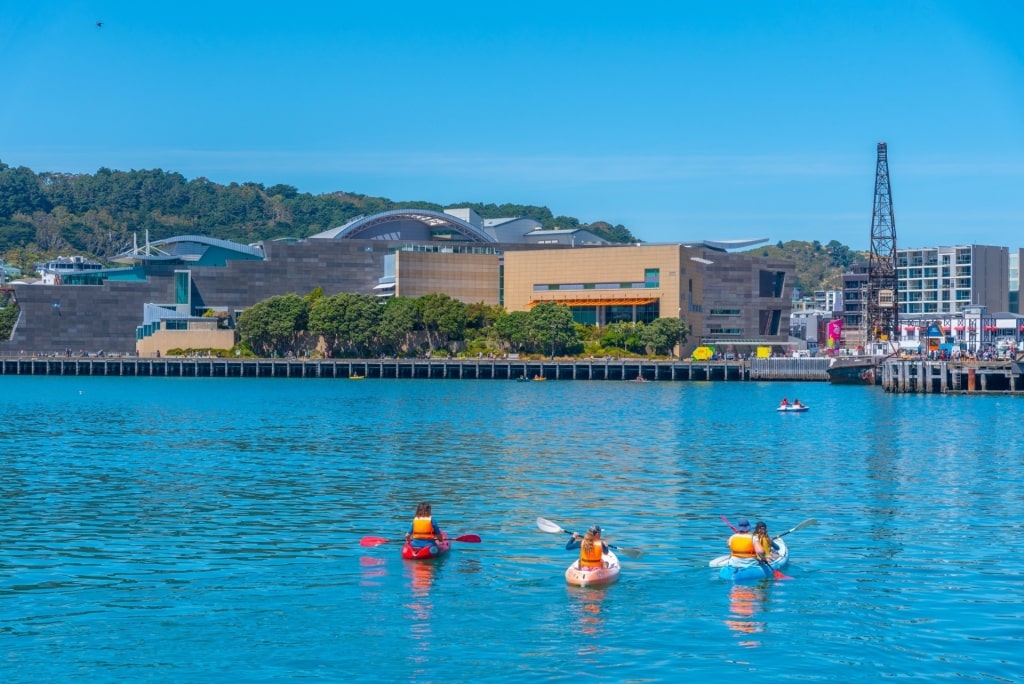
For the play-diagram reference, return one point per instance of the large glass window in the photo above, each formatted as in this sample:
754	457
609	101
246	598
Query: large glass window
182	287
585	315
619	314
648	312
771	283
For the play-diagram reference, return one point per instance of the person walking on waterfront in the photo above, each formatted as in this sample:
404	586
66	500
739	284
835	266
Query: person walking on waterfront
423	531
591	547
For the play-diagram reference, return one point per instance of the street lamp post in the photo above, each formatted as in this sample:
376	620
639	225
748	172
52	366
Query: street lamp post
679	317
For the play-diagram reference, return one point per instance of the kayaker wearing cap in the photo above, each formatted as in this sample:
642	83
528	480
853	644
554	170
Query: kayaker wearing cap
591	547
423	531
741	544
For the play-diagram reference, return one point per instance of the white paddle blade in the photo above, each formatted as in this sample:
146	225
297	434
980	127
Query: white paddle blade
805	523
719	562
548	526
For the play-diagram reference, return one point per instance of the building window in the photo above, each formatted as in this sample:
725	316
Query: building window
182	287
771	283
585	315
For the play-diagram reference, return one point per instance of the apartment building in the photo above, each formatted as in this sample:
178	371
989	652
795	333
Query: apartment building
943	280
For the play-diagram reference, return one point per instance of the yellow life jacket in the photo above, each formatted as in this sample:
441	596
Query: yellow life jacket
742	545
592	559
766	543
422	528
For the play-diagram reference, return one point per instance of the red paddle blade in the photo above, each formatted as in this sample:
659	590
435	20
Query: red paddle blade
373	541
780	576
471	538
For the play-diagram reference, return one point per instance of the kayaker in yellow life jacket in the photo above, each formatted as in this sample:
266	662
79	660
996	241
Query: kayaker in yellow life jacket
424	531
764	547
591	547
741	544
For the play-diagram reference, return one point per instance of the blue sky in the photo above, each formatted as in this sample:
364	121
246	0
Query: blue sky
678	120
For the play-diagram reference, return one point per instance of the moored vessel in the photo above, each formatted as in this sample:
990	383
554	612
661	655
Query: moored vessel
855	370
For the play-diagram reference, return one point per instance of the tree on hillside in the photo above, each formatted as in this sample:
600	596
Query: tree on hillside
20	192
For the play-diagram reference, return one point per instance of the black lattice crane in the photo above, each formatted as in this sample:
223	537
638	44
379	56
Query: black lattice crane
882	301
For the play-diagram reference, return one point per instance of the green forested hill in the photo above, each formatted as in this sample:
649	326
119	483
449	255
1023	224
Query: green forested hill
43	215
46	214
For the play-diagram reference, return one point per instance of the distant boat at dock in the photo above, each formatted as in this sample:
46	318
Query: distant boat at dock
855	370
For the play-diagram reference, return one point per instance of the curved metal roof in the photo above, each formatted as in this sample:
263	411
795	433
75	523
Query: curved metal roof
185	248
726	245
407	224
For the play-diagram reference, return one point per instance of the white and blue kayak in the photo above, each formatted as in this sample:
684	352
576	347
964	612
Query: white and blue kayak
789	408
740	570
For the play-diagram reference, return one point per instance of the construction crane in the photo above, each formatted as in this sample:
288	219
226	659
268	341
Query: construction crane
882	302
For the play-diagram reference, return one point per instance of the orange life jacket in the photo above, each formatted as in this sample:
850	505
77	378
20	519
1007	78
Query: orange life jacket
742	545
422	528
592	559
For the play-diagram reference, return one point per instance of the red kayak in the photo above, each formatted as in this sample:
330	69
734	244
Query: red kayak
428	552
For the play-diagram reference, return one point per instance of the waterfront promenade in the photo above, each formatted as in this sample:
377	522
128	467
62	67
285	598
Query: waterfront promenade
416	368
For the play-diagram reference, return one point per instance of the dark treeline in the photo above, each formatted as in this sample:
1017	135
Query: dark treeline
46	214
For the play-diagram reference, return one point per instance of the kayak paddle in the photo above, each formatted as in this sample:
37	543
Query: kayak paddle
548	526
805	523
775	573
377	541
726	521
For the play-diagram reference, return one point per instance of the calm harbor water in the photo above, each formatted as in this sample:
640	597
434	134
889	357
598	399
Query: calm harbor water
193	530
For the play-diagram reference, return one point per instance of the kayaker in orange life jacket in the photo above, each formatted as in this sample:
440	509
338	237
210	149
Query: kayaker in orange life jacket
591	547
424	531
743	545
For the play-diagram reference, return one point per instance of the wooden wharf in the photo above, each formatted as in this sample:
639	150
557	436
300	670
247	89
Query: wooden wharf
422	368
925	376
